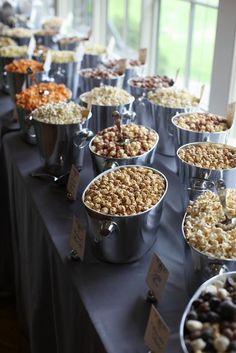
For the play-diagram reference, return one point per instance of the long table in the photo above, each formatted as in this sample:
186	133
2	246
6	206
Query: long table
90	306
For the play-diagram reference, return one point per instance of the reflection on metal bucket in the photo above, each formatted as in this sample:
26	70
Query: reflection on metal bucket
123	239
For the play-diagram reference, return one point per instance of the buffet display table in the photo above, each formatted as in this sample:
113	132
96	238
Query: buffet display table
69	306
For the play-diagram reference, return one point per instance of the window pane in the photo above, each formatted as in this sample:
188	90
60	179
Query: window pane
173	37
209	2
116	15
134	23
203	47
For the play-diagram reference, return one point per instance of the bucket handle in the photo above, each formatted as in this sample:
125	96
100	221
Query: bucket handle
82	138
127	116
107	228
109	164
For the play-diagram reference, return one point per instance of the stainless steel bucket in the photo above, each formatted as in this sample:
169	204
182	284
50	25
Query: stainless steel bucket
207	266
62	145
219	277
88	83
47	41
27	129
132	72
123	239
183	136
196	179
102	114
3	62
102	163
17	82
161	122
91	60
66	73
21	40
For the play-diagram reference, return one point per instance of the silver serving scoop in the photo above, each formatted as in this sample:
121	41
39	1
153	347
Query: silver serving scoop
117	121
228	223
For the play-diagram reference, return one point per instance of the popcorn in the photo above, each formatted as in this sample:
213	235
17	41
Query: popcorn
19	32
140	140
61	113
94	49
173	98
126	191
107	96
25	66
63	56
99	73
13	51
209	155
202	122
151	82
5	42
200	228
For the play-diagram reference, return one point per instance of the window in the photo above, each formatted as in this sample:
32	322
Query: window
186	41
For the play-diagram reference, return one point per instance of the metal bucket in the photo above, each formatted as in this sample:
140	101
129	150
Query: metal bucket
196	295
123	239
60	146
161	122
102	114
91	60
28	132
88	83
196	179
70	45
47	41
17	81
3	80
183	136
66	73
102	163
21	40
207	266
132	72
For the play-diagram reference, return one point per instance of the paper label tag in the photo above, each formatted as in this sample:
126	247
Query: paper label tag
157	332
48	61
157	276
201	92
73	183
142	55
78	238
31	47
177	74
121	65
231	113
111	45
80	52
89	35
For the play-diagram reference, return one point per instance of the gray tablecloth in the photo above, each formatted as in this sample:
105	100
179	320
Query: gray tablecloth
91	306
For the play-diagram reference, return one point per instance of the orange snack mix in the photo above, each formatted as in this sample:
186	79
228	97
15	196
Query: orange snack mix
24	66
42	93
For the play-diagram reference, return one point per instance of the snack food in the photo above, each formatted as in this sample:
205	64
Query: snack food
201	226
173	98
139	140
61	113
25	66
42	93
94	49
99	73
125	191
211	321
107	96
202	122
53	23
46	32
13	51
63	56
69	40
19	32
209	155
130	63
5	42
151	82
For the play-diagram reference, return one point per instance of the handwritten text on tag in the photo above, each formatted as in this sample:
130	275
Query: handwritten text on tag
78	238
157	332
73	183
157	276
